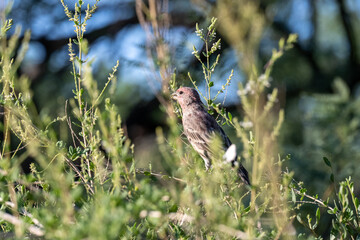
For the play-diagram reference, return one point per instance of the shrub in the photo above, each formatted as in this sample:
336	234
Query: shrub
89	187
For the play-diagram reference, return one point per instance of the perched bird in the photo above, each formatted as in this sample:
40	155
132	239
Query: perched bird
200	128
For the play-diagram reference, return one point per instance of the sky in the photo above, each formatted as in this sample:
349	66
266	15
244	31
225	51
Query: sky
46	19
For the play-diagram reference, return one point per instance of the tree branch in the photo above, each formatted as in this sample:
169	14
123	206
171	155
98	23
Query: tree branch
18	222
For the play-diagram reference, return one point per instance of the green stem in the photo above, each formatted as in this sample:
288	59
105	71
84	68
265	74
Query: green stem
79	37
256	150
208	77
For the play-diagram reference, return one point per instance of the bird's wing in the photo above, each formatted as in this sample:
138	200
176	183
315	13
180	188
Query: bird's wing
202	134
200	140
226	140
215	127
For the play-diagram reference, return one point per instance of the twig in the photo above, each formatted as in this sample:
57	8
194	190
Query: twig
35	220
23	212
181	218
68	120
18	222
7	203
159	175
79	174
18	149
314	199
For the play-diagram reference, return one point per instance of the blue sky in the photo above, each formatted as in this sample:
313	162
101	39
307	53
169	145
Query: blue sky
46	19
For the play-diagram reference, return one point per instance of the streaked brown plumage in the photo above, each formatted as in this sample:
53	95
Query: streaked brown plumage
200	128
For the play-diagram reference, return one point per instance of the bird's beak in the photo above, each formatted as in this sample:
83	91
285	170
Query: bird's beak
174	96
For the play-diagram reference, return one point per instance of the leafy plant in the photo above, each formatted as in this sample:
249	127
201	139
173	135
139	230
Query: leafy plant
84	181
344	209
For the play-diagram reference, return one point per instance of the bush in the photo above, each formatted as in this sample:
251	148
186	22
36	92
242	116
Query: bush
87	186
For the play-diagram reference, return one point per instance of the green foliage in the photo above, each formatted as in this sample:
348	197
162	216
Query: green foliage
208	68
264	198
330	124
84	182
345	210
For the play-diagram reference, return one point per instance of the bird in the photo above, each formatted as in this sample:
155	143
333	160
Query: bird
200	128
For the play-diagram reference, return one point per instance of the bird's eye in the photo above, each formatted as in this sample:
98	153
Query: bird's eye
181	92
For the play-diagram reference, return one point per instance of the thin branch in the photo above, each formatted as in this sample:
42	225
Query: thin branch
181	218
18	222
18	149
23	212
159	175
319	202
69	162
68	120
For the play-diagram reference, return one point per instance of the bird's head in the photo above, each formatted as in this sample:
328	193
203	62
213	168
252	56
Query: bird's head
186	96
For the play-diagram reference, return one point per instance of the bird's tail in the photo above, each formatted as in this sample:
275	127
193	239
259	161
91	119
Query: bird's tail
243	174
230	156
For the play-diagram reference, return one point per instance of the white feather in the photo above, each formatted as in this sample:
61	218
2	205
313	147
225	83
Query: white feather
230	154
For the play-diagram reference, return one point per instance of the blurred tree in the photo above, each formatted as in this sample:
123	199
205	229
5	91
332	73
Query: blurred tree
328	47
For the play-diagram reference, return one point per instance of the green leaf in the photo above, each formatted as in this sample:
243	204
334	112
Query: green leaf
71	150
327	162
59	144
173	208
332	177
309	221
132	168
292	38
351	186
212	25
357	203
318	215
293	196
326	202
165	177
230	116
335	210
298	217
281	43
